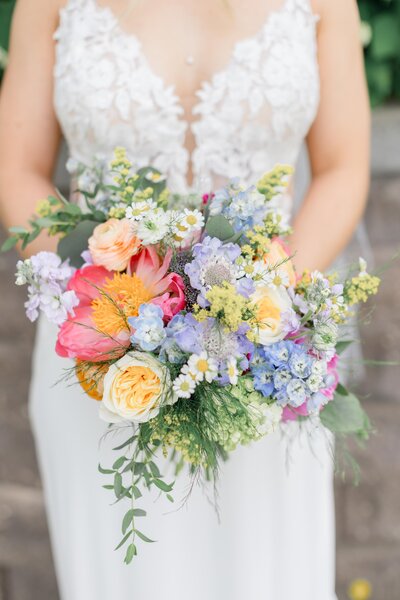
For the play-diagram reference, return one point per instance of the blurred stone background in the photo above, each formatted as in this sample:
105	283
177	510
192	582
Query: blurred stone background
368	516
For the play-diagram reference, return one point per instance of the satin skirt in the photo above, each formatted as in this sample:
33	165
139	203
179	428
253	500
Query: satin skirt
274	538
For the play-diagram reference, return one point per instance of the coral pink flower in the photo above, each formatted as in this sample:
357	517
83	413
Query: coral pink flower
167	289
86	283
78	337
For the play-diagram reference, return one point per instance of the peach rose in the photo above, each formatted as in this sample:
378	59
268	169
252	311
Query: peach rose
278	255
113	243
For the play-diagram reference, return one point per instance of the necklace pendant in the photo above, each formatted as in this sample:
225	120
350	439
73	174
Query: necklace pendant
189	60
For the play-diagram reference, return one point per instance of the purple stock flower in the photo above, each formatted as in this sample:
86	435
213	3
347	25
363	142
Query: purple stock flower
47	277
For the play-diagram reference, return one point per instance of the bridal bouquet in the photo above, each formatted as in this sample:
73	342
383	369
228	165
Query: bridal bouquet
186	320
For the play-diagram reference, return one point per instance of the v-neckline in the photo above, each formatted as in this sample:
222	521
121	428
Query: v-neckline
205	84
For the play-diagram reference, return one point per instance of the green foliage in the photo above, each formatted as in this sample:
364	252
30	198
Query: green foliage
380	34
6	10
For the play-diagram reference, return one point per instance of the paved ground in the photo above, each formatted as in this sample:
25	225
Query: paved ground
368	523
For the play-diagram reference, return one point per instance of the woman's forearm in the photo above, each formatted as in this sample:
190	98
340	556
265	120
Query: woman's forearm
19	195
328	217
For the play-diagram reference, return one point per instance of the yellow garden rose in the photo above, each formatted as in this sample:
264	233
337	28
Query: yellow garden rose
113	243
134	389
269	304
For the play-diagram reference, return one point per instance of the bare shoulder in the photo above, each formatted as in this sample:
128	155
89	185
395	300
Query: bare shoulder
336	9
40	15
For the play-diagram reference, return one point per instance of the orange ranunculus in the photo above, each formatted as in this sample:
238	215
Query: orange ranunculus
91	378
113	244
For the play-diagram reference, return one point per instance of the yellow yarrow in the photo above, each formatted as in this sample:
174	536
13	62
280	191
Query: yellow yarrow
361	288
227	306
116	212
270	183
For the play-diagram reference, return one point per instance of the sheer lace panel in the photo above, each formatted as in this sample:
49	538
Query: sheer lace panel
253	113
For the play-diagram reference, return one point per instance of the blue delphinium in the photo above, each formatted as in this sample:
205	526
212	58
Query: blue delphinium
287	372
149	331
244	207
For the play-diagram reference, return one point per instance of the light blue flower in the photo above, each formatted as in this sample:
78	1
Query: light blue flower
300	363
296	392
149	327
279	354
316	401
264	381
281	378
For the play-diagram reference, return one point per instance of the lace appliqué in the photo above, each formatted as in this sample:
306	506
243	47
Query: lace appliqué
252	114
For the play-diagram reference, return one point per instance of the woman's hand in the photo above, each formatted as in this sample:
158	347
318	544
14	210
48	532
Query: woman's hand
338	142
29	133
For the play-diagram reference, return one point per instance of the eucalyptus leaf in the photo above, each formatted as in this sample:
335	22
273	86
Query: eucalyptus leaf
118	488
144	537
126	443
130	553
127	521
9	243
73	244
119	462
105	471
124	539
18	230
164	487
218	226
344	414
139	512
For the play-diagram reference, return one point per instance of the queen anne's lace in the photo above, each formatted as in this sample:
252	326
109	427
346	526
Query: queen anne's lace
252	114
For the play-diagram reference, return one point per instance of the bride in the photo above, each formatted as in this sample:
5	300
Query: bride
203	91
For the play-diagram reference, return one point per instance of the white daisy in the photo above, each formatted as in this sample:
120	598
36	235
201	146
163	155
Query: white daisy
192	220
155	177
184	386
203	367
233	371
137	211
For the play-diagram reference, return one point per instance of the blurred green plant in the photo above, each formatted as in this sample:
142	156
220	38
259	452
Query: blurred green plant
6	10
380	34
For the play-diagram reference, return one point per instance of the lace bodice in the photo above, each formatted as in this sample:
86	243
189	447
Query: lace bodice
252	114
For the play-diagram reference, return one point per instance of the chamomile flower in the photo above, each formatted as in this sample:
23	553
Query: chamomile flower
192	220
184	386
138	210
203	367
155	177
232	371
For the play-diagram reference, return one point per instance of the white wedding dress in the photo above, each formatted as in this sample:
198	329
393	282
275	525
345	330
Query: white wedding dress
275	538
